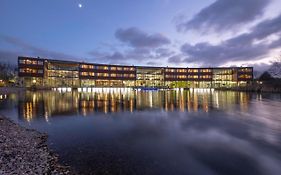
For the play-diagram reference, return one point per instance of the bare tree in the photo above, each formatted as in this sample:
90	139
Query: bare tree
275	69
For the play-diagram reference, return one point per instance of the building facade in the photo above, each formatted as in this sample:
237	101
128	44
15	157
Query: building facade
47	73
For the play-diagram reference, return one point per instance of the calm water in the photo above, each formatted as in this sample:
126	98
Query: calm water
156	132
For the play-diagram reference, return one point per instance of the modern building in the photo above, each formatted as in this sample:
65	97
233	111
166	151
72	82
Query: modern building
47	73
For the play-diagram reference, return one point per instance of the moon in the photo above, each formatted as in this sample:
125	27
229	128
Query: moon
80	5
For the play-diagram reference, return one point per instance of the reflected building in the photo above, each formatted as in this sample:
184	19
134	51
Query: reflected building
46	73
49	104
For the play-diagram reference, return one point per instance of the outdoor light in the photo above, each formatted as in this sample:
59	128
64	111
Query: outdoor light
33	81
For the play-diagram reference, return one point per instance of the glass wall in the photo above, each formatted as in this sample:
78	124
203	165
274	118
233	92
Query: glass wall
150	77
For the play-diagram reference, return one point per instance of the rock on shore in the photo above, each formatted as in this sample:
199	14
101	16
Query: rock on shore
24	151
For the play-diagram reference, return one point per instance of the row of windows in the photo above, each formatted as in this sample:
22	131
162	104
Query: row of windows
31	62
113	68
245	70
201	76
107	74
32	71
199	70
245	76
62	73
175	70
188	70
223	71
189	76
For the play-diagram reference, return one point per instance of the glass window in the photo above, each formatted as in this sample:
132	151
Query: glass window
113	68
40	62
22	61
181	70
193	70
84	73
119	68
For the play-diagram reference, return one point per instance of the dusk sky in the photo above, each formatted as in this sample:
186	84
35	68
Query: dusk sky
185	33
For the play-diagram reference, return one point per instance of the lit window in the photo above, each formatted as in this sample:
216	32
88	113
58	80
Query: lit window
28	70
181	70
119	68
84	73
113	75
193	70
113	68
205	70
127	69
193	76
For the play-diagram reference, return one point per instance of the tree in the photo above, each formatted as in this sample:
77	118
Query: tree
275	69
7	72
265	77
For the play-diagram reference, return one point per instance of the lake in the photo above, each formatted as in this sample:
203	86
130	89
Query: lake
125	131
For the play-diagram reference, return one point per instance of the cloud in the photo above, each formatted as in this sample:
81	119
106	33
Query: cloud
243	47
224	14
9	57
140	39
23	48
137	45
175	59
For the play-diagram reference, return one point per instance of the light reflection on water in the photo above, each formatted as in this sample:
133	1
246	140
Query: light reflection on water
50	103
156	132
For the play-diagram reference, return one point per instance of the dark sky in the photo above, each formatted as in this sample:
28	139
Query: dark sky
181	33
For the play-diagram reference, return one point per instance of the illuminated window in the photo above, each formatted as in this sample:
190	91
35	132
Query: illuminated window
27	61
129	69
113	75
193	70
102	67
245	76
182	70
182	76
170	76
119	68
113	68
132	75
92	74
170	70
84	73
245	70
85	66
205	70
28	70
205	76
102	74
193	76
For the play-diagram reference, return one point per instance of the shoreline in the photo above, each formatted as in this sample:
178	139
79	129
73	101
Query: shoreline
24	151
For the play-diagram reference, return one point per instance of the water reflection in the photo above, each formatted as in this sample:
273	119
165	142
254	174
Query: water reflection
51	103
156	132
